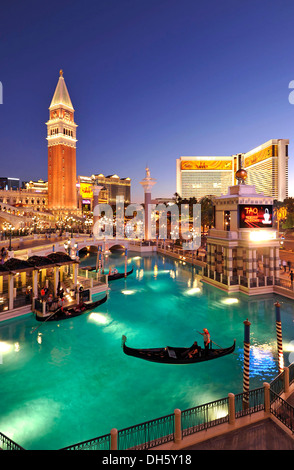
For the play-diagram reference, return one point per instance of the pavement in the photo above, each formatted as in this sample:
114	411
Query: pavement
263	435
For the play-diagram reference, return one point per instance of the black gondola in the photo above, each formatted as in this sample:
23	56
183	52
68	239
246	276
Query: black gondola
170	355
113	277
71	311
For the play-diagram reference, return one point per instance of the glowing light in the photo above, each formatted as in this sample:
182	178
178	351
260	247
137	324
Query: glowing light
193	291
100	318
4	347
230	301
260	235
128	292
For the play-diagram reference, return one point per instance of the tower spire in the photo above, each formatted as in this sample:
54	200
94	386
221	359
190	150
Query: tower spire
61	96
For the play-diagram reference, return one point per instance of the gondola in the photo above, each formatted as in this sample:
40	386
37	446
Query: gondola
113	277
170	355
71	311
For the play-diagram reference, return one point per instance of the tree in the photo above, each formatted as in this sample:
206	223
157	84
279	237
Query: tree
207	212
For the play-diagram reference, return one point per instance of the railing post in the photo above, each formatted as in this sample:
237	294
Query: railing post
232	415
286	379
113	439
178	426
267	402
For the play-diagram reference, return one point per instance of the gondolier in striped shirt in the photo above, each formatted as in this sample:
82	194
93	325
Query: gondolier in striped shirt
206	339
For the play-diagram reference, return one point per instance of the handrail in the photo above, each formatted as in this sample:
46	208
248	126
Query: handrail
282	410
98	443
147	435
8	444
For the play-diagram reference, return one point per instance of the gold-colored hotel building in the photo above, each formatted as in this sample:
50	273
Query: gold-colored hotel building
266	166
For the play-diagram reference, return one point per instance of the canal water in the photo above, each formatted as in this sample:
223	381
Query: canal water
69	381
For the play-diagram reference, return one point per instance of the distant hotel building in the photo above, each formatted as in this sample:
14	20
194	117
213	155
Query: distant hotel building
112	186
266	166
203	176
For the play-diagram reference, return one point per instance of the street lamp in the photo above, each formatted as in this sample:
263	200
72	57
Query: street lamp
10	236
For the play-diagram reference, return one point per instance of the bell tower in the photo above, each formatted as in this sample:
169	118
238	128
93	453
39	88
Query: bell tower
61	137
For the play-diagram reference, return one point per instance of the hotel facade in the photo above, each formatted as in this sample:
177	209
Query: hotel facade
266	166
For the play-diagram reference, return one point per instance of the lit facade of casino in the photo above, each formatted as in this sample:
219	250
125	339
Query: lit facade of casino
266	166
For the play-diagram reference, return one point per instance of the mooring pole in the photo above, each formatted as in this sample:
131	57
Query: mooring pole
246	364
126	261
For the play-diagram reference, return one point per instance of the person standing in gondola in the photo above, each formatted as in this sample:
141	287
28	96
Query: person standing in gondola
206	339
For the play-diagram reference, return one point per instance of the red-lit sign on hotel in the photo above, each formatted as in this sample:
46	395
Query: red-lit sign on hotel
255	216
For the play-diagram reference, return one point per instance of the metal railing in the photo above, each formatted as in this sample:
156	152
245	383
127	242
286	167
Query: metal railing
255	402
98	443
147	435
282	410
204	416
8	444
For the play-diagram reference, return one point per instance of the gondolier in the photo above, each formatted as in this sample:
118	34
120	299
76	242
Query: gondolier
206	339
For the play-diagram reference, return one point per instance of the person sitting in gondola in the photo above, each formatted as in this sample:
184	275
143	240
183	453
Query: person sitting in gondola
192	351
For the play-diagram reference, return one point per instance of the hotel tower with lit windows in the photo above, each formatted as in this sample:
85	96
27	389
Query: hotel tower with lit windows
61	137
266	166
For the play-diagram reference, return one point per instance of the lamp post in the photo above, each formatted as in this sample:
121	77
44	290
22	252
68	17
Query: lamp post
10	236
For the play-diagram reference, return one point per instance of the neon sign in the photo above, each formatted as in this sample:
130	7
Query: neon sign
255	216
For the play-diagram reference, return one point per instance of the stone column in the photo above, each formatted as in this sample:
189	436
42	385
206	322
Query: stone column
56	279
266	261
147	184
178	430
75	273
277	262
248	263
229	251
10	291
208	255
219	260
35	283
240	261
271	262
254	263
212	258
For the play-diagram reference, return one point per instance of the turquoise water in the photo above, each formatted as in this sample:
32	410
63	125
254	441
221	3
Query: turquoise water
70	381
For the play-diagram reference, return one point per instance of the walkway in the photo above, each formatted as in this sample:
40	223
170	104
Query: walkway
264	435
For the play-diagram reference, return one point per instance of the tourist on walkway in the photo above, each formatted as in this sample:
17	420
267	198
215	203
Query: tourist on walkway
291	275
284	265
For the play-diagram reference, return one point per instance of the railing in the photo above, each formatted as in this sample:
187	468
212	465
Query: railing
205	416
8	444
277	385
255	402
291	373
282	410
98	443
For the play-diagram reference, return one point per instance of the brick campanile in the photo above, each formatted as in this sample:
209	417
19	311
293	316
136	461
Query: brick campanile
61	137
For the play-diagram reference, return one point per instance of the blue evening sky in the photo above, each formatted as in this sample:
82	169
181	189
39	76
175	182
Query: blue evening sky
150	80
